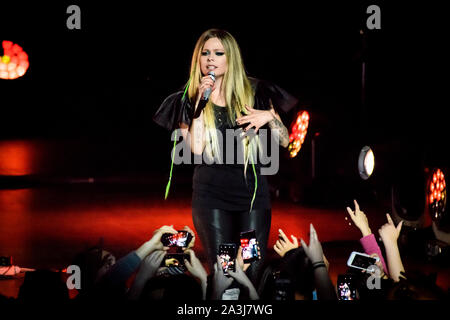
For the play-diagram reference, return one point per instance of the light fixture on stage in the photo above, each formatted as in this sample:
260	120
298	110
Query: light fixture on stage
437	195
298	133
366	162
14	62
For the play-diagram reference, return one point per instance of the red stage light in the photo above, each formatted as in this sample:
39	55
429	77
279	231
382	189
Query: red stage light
14	63
437	194
298	133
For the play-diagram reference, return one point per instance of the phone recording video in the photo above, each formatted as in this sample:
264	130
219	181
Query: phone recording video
172	260
283	290
227	255
361	261
180	239
346	287
249	246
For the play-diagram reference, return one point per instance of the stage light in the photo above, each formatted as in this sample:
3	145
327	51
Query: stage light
366	162
14	63
437	195
298	132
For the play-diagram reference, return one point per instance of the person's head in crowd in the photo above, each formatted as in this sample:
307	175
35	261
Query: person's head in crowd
94	263
416	286
288	278
172	287
43	286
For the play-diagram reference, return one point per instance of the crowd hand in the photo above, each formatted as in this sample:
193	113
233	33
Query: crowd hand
150	264
239	275
191	244
255	118
284	245
155	242
359	219
389	232
240	260
220	281
314	251
378	264
195	267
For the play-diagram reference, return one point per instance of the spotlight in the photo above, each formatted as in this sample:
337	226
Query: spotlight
366	162
298	133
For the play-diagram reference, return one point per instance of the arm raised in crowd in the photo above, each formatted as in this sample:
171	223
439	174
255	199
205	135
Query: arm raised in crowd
368	241
324	286
389	234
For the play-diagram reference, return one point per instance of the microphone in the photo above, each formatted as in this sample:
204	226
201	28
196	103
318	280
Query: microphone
208	90
204	100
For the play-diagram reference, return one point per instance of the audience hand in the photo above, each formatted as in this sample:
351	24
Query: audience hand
191	244
284	245
195	267
359	219
220	281
151	263
314	251
388	232
155	242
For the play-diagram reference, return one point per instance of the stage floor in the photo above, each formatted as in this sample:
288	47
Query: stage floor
45	227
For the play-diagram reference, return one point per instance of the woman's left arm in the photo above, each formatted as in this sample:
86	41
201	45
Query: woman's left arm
280	129
257	118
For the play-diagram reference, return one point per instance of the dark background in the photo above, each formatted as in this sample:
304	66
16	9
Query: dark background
103	83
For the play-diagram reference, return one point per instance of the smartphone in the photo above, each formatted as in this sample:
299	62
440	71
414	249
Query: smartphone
227	256
283	290
361	261
249	246
172	260
180	239
346	287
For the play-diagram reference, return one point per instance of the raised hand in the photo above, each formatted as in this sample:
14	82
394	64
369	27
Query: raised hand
284	245
220	281
240	260
155	241
314	251
191	244
359	219
389	232
195	267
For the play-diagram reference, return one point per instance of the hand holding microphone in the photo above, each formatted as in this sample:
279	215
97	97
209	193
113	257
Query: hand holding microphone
206	87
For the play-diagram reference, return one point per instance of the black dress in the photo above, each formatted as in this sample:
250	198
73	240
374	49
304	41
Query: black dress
224	186
222	195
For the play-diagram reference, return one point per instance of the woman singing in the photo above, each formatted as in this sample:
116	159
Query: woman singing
228	196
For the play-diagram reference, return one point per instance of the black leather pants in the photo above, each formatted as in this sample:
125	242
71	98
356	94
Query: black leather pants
216	226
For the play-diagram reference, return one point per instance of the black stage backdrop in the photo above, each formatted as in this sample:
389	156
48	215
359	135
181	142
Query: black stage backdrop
107	79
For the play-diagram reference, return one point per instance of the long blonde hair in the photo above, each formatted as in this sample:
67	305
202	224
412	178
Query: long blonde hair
237	90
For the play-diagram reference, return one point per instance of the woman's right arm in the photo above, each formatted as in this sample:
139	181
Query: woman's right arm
195	134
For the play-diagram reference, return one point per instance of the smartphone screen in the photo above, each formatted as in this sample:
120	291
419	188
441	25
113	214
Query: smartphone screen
180	239
362	261
172	260
283	290
227	254
249	246
346	288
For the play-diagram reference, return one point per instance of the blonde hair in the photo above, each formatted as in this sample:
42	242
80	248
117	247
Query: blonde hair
237	90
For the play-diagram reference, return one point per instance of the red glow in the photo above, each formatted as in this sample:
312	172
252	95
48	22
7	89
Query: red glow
432	187
16	158
14	63
298	133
